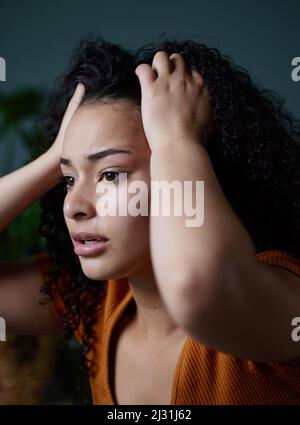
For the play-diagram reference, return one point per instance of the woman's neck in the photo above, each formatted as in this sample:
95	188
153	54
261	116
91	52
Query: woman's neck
151	318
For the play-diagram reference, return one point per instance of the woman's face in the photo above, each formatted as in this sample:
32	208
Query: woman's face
96	128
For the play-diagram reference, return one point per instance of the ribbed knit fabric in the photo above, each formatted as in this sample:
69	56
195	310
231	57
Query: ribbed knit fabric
202	375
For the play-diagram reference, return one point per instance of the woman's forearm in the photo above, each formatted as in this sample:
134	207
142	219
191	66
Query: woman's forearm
23	187
223	296
182	255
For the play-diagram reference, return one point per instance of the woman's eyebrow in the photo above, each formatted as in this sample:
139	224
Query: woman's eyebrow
96	156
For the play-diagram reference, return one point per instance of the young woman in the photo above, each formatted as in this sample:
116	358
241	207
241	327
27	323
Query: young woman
167	314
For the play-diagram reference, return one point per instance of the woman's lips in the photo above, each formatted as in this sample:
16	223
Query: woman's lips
89	249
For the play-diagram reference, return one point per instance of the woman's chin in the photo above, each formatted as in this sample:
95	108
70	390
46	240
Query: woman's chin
96	274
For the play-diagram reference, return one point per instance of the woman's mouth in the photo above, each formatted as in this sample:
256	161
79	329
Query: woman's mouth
91	247
88	244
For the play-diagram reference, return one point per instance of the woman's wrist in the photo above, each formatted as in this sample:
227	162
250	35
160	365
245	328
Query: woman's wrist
24	186
51	162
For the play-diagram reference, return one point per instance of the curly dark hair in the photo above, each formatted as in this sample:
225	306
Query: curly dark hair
255	152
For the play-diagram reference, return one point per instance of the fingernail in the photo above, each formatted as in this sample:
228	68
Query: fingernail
80	87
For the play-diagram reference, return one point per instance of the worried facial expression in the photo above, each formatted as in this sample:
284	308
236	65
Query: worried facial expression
97	128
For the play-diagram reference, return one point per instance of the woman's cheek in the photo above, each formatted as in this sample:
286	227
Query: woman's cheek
125	215
107	201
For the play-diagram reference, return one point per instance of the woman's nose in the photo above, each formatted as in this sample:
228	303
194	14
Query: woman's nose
79	204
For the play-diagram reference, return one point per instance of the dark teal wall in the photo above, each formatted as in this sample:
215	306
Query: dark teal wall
37	37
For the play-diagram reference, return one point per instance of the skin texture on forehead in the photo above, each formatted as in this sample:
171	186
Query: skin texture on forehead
100	125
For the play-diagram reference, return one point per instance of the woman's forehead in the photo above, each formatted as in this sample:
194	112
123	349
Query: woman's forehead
102	126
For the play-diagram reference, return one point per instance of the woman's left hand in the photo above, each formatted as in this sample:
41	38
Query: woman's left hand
175	104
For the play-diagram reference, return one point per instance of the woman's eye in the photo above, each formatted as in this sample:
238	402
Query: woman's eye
67	181
110	175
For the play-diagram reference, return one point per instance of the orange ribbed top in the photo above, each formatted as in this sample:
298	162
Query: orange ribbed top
202	375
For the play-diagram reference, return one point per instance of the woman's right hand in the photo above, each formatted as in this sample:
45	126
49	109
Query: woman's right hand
56	147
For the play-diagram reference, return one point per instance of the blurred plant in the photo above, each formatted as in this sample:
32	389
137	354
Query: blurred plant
19	112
